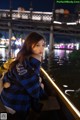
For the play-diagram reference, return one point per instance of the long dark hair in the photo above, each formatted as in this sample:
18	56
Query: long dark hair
26	50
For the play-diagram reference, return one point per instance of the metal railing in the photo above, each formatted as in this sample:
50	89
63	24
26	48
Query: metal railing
39	21
75	112
45	16
36	15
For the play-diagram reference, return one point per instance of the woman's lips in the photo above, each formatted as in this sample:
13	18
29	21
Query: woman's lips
40	52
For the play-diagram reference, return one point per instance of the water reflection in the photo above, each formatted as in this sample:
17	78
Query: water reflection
2	53
66	76
58	53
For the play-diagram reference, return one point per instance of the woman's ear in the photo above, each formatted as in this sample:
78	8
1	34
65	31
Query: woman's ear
32	46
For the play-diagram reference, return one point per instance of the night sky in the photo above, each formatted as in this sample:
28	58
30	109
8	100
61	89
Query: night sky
38	5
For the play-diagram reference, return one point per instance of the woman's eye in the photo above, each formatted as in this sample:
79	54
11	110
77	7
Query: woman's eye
37	45
40	45
43	45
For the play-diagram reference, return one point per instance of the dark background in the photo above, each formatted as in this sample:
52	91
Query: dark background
38	5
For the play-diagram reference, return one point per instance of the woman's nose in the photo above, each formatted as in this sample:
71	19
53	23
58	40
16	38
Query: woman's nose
41	49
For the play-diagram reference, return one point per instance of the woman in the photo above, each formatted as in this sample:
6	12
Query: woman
22	88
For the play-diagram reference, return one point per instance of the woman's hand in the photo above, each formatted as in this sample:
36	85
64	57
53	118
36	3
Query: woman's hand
6	85
41	84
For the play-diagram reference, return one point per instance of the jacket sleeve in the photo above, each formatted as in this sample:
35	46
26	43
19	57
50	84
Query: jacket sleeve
6	77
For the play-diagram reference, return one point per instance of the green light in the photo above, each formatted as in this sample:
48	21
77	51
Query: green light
68	1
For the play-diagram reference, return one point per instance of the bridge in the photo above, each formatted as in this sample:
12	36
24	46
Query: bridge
68	24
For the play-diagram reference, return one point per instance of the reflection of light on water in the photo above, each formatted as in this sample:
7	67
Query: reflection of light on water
65	86
69	90
45	52
77	46
61	94
57	52
16	51
2	52
68	51
61	53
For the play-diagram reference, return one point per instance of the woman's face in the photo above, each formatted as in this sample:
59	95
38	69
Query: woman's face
38	48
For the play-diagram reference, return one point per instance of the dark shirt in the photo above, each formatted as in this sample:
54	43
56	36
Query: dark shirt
25	86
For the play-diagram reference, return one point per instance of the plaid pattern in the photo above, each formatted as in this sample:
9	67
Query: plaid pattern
24	79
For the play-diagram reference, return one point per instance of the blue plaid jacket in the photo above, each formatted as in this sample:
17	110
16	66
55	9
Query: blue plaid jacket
25	86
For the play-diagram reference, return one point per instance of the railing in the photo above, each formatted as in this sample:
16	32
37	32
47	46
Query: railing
40	21
75	112
44	16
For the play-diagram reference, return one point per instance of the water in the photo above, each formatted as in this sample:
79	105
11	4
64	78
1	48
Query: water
4	53
61	54
67	77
